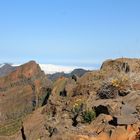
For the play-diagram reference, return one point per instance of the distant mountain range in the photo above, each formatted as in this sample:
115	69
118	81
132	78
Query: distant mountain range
6	68
76	72
53	71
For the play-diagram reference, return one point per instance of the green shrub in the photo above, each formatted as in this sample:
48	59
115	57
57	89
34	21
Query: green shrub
89	116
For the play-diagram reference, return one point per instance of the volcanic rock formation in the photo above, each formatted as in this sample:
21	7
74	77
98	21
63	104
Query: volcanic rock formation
21	92
101	105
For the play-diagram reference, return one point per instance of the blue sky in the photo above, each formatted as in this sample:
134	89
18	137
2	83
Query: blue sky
69	32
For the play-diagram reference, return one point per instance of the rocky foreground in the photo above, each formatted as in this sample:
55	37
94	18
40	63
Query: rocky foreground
101	105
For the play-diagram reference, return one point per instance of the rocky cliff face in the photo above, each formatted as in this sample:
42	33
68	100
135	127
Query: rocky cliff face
101	105
21	92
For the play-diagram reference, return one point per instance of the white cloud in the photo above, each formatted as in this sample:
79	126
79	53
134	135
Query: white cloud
50	69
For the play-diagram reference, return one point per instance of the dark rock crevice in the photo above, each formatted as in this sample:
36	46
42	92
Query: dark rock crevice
125	67
75	122
23	133
63	93
113	122
47	96
101	110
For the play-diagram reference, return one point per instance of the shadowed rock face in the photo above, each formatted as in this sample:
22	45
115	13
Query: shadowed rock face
21	91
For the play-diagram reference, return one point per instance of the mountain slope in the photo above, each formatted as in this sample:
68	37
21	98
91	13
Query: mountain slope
5	69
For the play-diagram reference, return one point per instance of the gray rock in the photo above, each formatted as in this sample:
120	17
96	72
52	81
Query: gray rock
126	120
128	109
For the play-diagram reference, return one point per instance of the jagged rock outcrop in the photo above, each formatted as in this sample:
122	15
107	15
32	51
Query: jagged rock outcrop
21	92
122	65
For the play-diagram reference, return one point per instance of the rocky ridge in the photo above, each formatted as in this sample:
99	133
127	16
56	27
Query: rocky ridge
101	105
21	92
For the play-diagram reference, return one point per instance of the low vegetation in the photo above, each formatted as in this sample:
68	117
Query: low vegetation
10	128
118	86
80	109
89	116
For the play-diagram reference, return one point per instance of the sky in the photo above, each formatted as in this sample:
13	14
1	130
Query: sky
69	32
